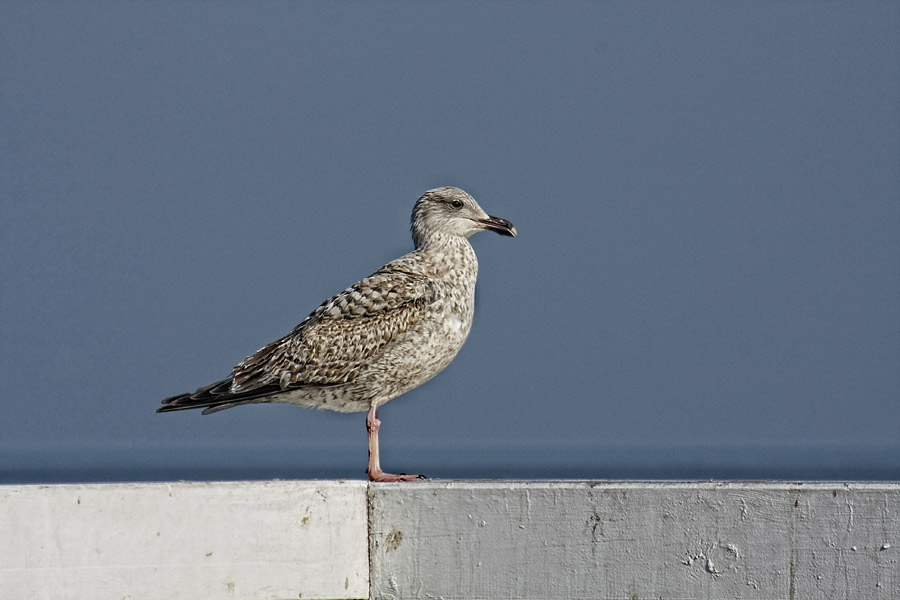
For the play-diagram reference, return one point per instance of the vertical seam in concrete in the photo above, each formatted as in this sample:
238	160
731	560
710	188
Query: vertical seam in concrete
792	554
370	554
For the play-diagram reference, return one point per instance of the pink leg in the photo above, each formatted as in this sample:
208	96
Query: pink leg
374	470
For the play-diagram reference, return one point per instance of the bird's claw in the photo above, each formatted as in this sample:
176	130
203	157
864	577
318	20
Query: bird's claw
382	476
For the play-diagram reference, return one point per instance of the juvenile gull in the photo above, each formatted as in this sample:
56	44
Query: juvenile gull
379	338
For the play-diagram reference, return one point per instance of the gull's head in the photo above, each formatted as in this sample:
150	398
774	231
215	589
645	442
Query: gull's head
449	211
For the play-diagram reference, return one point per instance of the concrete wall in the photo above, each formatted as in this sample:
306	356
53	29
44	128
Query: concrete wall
450	539
173	541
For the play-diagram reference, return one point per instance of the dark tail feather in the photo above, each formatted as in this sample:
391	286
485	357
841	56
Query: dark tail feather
212	397
215	397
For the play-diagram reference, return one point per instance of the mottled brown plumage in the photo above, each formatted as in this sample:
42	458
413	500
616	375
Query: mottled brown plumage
379	338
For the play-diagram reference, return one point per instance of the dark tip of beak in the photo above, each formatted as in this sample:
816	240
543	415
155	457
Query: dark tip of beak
501	226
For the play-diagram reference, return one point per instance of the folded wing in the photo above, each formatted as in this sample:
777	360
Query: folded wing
329	347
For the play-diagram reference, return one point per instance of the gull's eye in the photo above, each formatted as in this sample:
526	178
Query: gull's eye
456	204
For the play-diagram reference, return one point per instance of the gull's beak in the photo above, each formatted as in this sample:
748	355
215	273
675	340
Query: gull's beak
501	226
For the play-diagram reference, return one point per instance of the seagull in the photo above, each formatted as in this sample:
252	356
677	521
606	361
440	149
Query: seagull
379	338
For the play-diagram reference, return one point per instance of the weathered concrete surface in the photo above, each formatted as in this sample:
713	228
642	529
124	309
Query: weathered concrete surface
495	540
172	541
450	539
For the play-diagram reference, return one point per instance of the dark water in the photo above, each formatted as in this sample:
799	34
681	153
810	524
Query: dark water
60	463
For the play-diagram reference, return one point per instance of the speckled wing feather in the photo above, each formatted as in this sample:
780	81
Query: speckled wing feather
333	343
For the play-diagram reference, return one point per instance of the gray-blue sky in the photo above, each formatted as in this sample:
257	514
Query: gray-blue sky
706	280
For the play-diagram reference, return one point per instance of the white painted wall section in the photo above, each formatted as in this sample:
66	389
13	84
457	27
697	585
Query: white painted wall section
277	539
